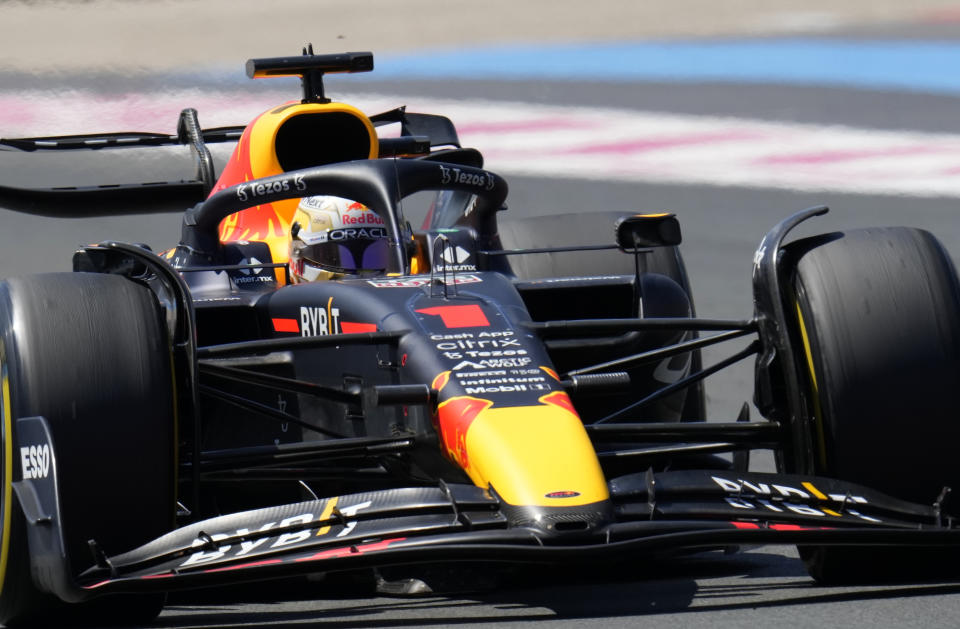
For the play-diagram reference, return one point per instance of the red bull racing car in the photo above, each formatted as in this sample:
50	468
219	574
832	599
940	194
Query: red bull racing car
475	389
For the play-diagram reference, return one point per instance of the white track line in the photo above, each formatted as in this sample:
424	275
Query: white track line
572	142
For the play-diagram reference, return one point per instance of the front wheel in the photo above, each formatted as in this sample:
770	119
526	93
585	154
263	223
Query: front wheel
878	317
89	353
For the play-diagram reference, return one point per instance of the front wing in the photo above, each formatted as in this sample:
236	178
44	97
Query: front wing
649	513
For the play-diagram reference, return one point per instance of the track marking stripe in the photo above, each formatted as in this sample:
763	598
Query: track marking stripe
571	142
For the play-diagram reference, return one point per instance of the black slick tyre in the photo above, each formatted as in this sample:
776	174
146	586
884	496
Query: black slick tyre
878	324
89	353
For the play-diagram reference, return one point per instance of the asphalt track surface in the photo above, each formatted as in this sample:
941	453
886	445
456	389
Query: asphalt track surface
722	226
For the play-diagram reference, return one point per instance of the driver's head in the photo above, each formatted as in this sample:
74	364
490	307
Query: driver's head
332	236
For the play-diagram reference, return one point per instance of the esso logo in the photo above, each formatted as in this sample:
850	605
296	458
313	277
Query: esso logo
35	461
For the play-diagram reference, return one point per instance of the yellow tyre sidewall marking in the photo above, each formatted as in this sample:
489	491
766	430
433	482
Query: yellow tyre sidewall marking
817	410
7	467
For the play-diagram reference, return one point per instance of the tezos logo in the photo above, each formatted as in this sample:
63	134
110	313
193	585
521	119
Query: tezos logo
450	174
247	190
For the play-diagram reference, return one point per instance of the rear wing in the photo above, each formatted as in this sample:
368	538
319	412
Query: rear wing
419	135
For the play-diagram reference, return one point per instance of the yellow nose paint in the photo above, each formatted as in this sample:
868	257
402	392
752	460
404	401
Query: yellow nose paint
526	452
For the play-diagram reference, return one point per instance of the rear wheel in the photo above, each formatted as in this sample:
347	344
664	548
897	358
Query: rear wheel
878	317
89	353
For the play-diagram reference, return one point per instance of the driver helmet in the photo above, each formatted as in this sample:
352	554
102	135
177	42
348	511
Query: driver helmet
332	237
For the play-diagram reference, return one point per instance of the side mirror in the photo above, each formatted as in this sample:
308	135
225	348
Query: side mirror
647	230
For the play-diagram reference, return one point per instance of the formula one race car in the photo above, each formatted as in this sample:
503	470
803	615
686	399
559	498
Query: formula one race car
480	389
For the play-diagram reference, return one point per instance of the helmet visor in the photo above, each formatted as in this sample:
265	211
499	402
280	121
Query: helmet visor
351	250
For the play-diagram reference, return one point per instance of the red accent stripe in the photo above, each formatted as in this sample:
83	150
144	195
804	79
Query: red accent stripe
797	527
348	327
781	527
286	325
470	316
253	564
346	551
